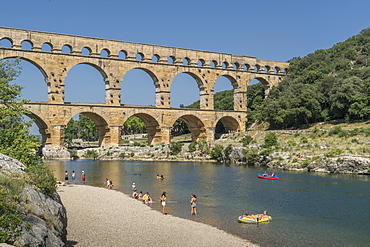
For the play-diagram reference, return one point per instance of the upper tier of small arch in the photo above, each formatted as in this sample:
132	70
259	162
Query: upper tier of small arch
97	47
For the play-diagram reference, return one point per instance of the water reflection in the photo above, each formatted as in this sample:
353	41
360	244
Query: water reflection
308	209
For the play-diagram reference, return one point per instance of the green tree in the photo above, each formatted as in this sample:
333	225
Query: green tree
175	147
192	147
17	142
180	127
134	125
217	152
270	140
15	138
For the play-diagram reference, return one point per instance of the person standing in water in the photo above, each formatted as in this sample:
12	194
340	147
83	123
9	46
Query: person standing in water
73	176
83	177
193	204
163	199
66	177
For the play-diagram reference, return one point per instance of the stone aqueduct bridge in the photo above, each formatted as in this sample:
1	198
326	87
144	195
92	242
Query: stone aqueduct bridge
55	54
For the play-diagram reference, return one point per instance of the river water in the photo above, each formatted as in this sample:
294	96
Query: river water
308	209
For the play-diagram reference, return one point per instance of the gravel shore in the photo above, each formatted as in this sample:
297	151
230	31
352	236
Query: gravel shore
102	217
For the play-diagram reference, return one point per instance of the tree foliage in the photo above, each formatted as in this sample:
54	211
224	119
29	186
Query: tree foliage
325	85
180	127
15	138
83	128
134	125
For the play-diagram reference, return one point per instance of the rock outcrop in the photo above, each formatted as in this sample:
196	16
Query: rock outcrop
45	216
342	164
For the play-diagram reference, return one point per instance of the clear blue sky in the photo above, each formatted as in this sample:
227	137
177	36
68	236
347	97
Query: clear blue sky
273	30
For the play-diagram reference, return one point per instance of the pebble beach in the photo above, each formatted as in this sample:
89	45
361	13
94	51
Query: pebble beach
102	217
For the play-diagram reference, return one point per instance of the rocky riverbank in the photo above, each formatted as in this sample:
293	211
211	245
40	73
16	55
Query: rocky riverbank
321	148
43	218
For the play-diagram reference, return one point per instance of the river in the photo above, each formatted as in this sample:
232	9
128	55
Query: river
308	209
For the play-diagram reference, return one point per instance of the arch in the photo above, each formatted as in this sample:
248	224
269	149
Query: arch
257	68
152	125
139	57
27	45
277	70
195	125
236	66
104	53
100	123
122	54
225	65
186	61
213	64
224	92
229	124
171	60
48	47
86	51
6	42
232	80
66	49
183	83
155	58
139	93
201	62
267	68
30	61
41	125
92	86
247	67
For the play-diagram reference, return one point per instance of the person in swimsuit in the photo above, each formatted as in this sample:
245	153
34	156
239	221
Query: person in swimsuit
83	177
163	199
73	176
193	204
66	177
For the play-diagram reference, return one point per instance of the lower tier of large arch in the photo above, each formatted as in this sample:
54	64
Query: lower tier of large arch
52	120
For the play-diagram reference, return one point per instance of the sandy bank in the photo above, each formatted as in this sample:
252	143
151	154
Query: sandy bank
101	217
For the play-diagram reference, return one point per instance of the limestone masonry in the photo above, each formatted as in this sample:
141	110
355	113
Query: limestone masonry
55	54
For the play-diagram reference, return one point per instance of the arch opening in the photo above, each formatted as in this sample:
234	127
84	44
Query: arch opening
47	47
226	125
104	53
171	60
86	51
139	57
146	130
187	128
85	83
27	45
122	55
138	87
185	91
224	93
66	49
84	130
6	43
155	58
32	79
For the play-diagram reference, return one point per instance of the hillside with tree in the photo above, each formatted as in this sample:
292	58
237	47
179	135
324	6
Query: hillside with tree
332	84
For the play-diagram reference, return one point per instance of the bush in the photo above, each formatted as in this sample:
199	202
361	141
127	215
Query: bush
175	147
251	155
216	152
43	178
246	140
91	154
270	140
192	147
10	218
